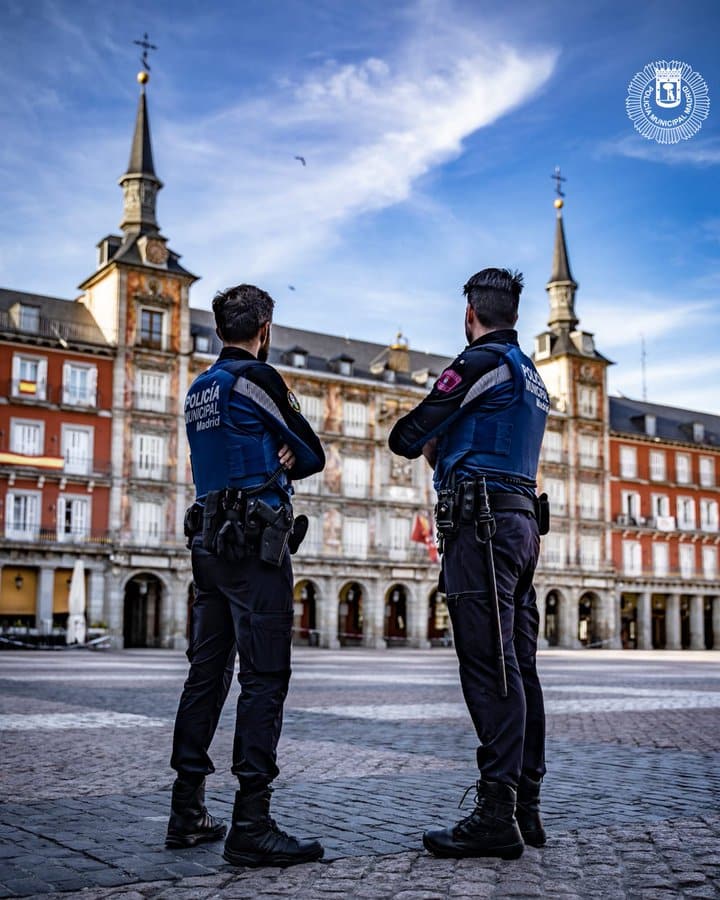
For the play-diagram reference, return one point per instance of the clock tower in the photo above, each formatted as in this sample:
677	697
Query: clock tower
576	592
139	296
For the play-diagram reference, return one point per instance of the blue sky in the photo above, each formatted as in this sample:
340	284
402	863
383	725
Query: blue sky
430	131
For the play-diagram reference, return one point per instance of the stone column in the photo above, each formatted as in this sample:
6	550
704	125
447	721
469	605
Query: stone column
540	600
697	622
568	623
644	621
96	591
328	613
418	618
716	622
374	619
44	602
115	605
173	613
614	639
672	622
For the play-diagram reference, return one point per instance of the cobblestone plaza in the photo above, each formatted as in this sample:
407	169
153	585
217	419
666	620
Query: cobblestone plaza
376	747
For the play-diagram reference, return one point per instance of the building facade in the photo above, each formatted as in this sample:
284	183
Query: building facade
664	530
94	464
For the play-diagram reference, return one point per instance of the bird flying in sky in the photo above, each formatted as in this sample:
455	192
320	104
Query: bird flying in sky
302	159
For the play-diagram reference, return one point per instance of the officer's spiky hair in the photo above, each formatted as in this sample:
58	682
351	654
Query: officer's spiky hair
494	295
240	312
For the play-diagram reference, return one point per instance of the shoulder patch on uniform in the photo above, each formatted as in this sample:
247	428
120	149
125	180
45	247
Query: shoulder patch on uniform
448	380
293	401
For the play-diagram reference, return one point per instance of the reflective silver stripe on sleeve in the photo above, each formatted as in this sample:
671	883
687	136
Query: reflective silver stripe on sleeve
487	381
255	393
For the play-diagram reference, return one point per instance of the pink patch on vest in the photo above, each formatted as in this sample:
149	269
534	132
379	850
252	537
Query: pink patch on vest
448	380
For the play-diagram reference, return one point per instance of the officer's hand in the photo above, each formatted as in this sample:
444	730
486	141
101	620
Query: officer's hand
429	451
286	457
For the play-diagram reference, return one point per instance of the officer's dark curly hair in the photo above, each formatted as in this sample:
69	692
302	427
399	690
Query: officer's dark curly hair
494	295
240	312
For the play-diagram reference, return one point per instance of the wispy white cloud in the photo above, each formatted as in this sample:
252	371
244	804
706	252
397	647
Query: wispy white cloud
696	151
368	130
622	322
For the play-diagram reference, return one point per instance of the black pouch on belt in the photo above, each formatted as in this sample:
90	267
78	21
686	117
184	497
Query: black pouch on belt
230	541
213	515
542	513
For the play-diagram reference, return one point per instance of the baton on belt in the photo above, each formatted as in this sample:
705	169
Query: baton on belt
484	531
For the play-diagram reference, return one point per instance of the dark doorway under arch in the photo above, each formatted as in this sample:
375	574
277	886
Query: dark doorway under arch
141	611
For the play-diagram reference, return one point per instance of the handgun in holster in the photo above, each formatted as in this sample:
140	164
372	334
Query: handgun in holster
212	519
276	533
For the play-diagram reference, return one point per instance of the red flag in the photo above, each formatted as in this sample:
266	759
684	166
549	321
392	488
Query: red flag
422	534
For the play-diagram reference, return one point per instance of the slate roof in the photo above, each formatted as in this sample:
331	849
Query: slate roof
322	348
671	423
58	318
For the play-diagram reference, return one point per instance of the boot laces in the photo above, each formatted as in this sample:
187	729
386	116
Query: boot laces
469	819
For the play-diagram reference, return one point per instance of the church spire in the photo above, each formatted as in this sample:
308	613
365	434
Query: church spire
561	287
140	184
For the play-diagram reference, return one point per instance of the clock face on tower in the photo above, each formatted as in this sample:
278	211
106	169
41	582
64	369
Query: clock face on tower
156	252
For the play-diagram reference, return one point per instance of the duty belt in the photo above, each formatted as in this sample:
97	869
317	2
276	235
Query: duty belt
460	505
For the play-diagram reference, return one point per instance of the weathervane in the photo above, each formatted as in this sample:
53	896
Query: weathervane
146	45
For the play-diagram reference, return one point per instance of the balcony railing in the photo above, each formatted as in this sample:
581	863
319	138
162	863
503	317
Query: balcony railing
151	473
56	394
50	329
146	403
33	534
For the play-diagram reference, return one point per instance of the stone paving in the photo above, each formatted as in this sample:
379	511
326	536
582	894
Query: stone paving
376	747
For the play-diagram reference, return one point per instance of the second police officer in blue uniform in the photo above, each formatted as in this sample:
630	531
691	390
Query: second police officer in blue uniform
481	428
247	440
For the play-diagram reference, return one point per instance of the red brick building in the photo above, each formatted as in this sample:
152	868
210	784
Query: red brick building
55	426
665	497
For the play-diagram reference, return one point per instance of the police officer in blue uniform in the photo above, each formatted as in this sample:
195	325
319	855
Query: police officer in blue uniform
248	442
481	428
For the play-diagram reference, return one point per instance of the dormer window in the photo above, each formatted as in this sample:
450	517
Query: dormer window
388	375
698	430
29	318
342	364
202	343
650	425
296	357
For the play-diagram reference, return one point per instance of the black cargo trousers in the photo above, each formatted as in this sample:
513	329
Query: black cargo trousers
245	608
511	730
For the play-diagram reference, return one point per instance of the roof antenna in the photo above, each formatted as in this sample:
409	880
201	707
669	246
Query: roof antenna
643	367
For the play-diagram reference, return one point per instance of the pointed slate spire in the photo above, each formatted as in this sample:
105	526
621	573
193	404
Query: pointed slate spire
561	287
140	184
141	158
560	264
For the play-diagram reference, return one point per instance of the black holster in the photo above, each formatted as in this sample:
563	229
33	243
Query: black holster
192	523
542	513
212	520
273	526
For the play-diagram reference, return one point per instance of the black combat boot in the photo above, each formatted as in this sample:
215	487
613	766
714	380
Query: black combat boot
528	812
190	822
255	839
489	830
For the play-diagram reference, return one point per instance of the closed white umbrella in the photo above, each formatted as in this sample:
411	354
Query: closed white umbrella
76	629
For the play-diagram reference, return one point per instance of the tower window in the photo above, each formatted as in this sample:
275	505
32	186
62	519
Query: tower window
151	329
